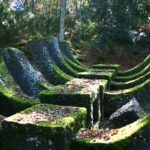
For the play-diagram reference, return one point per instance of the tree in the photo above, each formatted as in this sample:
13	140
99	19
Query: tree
62	20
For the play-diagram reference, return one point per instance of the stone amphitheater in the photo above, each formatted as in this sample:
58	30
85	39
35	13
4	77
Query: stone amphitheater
63	105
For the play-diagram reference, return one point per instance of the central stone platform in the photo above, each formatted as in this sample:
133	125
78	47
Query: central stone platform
75	95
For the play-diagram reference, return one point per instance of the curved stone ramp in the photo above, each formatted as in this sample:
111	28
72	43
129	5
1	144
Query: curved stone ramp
129	84
135	136
45	64
134	76
56	55
22	71
113	100
10	103
137	68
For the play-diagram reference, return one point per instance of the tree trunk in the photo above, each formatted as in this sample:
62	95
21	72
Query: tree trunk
62	20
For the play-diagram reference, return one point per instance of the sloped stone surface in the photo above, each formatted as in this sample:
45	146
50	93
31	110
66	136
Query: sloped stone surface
56	55
44	62
22	71
64	48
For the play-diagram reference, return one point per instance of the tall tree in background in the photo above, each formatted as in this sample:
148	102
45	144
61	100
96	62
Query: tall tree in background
62	20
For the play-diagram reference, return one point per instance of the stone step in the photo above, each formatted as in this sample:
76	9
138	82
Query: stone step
42	127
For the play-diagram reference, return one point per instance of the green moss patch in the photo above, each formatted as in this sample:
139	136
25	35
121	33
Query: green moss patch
11	102
83	81
101	83
137	68
129	84
107	66
83	69
75	95
43	126
95	75
115	99
126	138
134	76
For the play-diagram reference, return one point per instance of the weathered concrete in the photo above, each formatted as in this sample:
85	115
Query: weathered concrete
22	71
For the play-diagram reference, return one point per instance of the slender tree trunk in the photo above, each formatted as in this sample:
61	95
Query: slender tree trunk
62	20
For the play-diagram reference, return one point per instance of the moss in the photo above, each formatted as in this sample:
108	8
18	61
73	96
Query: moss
107	66
75	95
96	75
134	76
125	139
60	76
137	68
10	104
83	69
130	91
74	65
115	99
129	84
49	134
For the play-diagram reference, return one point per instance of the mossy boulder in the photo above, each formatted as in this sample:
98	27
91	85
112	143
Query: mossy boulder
45	63
22	71
127	114
137	68
42	126
133	136
75	95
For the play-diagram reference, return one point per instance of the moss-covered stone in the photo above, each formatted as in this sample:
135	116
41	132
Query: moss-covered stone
42	127
137	68
97	75
129	84
82	69
56	55
45	63
134	76
132	136
65	50
107	66
75	95
115	99
22	71
10	103
102	85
